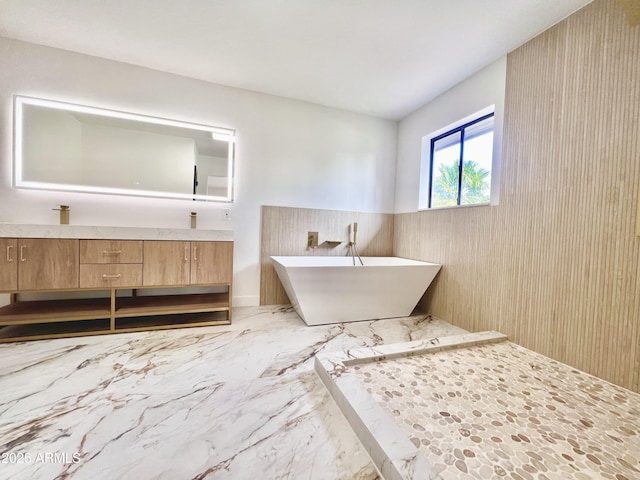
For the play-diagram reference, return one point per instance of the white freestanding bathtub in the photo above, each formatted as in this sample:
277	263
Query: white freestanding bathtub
332	290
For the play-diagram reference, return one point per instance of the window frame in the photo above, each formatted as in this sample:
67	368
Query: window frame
452	131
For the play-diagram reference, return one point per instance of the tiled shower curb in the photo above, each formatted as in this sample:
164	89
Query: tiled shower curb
393	454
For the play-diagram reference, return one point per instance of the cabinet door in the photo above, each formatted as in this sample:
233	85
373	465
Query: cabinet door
212	262
48	264
8	264
166	263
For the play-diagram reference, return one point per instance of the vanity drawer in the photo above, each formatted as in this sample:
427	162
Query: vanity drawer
110	275
110	251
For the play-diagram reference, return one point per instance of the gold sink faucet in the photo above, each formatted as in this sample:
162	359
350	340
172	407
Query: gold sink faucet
64	214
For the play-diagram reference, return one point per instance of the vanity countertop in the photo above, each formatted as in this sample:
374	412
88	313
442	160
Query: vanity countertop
115	233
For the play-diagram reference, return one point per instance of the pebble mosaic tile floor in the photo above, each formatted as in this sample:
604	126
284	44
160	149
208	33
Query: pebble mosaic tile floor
501	411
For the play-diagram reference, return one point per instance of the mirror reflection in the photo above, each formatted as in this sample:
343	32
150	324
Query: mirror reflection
62	146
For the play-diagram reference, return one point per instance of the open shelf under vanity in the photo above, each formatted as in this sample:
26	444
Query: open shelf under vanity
36	319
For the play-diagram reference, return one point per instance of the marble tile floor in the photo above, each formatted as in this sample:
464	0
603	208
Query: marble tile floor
228	402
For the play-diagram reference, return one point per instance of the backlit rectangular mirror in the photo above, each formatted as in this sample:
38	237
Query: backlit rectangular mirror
63	146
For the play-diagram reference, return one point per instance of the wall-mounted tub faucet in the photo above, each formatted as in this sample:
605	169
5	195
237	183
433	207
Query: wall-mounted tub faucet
312	239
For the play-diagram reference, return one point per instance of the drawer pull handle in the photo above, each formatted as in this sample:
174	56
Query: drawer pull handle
186	254
9	248
22	257
111	252
195	254
106	276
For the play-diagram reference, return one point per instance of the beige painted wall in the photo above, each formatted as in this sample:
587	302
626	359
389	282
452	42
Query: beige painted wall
555	264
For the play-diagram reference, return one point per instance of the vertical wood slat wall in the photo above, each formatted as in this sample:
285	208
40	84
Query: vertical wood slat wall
555	265
284	232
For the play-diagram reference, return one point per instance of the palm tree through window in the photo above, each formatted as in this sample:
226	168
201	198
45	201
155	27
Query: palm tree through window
460	164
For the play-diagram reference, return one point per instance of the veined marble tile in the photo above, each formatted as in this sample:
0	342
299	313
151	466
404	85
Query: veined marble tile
277	429
237	401
55	376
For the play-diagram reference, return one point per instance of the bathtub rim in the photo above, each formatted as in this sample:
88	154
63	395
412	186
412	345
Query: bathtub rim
319	261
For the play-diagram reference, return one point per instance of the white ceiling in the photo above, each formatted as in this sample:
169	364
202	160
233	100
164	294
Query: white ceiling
379	57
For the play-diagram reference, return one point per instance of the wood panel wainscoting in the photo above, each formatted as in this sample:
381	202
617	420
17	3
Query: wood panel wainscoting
555	265
138	285
284	232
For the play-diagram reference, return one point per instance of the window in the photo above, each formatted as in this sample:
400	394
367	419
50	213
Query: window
460	164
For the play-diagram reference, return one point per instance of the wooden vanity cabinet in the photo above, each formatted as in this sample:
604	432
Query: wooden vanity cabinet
126	285
166	263
48	264
211	262
111	251
187	263
111	263
110	275
8	264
